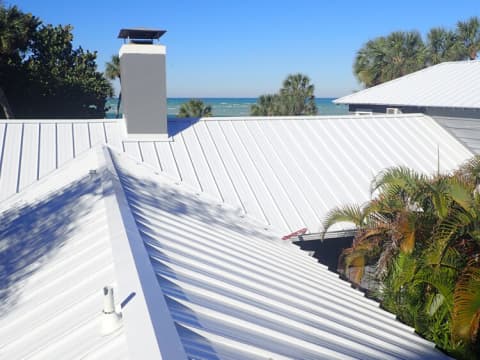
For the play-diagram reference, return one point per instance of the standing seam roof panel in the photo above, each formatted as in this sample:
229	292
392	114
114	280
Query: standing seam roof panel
30	157
11	160
284	204
293	189
284	172
224	298
222	177
47	149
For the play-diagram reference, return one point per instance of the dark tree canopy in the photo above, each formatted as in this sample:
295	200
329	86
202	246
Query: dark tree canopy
43	75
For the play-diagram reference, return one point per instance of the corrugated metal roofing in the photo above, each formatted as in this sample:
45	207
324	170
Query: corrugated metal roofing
227	287
55	259
449	84
236	291
285	172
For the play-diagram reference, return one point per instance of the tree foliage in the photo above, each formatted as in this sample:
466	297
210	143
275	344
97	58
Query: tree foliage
422	234
16	33
112	72
296	97
443	45
469	37
43	75
387	57
194	109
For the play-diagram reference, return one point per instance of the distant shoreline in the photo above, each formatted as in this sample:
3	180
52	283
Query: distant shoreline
228	106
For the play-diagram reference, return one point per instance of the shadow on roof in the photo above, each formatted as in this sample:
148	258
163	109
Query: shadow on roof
30	235
177	204
177	125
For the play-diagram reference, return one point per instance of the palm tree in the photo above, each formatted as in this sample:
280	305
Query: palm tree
369	62
297	95
442	45
469	34
386	58
267	105
112	72
405	54
388	224
423	233
194	108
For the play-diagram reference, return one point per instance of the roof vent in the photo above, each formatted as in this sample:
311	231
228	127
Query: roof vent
111	320
143	82
391	110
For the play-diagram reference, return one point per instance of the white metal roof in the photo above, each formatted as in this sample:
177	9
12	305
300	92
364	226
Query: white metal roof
55	259
449	84
236	291
196	278
285	172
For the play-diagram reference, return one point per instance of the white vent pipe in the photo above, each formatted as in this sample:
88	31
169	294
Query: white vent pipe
111	320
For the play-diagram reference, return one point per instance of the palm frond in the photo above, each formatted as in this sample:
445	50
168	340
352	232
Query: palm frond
348	213
442	280
466	312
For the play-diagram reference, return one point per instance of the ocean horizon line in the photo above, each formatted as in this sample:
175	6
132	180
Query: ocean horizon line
226	97
238	106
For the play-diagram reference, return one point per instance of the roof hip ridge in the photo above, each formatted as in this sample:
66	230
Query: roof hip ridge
151	332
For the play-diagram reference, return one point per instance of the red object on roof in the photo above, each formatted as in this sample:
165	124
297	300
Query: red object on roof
296	233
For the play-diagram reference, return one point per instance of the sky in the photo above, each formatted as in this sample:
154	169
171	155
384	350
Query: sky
246	48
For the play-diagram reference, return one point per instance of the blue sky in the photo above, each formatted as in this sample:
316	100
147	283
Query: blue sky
246	48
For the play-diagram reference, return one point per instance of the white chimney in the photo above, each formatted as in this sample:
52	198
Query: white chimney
143	83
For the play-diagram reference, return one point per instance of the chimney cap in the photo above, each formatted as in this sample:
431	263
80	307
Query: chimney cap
140	34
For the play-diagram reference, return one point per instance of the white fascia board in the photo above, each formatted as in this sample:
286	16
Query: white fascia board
150	329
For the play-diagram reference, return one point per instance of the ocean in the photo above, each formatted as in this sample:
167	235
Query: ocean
235	106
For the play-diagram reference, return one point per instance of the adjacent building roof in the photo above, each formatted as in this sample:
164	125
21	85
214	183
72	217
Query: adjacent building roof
446	85
193	278
466	130
284	172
